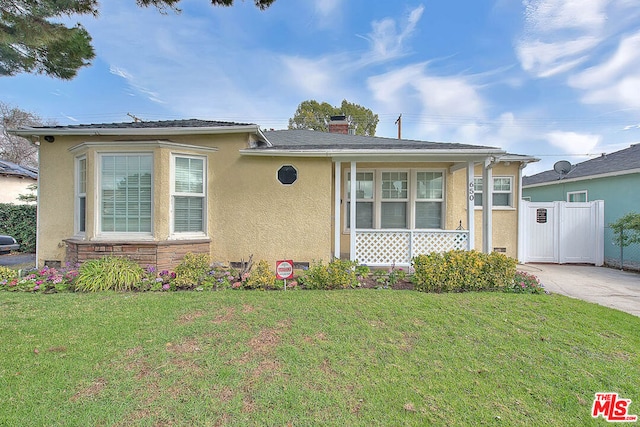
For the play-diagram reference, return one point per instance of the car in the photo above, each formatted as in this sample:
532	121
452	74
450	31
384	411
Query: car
8	244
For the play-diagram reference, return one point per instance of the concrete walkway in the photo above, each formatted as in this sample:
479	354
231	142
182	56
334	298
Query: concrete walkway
601	285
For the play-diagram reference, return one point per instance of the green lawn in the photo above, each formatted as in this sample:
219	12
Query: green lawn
301	358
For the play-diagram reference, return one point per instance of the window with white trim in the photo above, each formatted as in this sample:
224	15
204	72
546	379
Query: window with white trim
405	199
126	193
577	196
364	199
188	194
502	191
81	194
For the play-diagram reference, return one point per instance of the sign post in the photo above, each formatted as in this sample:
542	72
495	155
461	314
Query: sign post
284	271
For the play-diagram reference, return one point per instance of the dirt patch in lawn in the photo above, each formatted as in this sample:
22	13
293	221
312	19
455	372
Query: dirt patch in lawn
190	317
185	347
92	390
227	316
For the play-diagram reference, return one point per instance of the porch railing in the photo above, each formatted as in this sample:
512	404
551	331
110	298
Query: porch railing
389	247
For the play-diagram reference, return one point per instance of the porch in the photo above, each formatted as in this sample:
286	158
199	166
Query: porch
378	248
404	208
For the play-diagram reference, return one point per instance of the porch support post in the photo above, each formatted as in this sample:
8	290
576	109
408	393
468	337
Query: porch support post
337	225
352	213
487	205
471	205
520	205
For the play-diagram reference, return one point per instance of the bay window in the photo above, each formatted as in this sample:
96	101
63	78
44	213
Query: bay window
188	194
405	199
125	193
81	195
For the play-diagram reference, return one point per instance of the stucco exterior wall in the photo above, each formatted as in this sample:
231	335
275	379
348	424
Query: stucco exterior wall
248	211
14	186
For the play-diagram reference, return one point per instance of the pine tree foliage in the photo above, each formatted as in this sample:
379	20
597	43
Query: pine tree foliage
31	41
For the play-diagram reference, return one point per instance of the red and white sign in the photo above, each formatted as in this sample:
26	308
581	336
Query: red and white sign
284	269
612	408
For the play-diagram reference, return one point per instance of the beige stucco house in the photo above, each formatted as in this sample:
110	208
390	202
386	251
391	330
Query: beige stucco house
154	191
15	181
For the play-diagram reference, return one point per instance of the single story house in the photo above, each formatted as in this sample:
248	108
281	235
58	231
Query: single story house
614	178
16	180
154	191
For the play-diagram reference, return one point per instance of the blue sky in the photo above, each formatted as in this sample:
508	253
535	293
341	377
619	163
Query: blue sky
558	79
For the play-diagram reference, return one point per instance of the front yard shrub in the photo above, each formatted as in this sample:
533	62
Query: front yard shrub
19	221
338	274
109	273
261	277
193	271
316	276
459	271
6	273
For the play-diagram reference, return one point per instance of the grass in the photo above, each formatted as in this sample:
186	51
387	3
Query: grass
304	358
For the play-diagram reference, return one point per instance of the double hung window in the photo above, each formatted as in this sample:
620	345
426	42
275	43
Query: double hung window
188	194
502	191
405	199
81	194
126	193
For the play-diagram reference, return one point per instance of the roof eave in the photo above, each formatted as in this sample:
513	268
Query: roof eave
582	178
26	132
379	154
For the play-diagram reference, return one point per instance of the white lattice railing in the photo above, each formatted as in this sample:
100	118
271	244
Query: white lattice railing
389	247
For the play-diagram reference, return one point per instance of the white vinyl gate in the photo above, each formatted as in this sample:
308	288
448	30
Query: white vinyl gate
563	232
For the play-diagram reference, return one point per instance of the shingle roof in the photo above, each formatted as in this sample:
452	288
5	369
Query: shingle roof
186	123
618	161
9	168
300	139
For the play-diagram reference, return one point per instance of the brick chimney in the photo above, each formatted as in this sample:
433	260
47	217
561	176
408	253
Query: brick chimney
339	124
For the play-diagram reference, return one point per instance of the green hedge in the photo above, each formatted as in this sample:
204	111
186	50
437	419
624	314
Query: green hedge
19	221
459	271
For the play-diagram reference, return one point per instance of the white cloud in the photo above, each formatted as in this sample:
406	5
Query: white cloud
327	7
386	41
547	59
573	142
434	95
562	34
552	15
616	80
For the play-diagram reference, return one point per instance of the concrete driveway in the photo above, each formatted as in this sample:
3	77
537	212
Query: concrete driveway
605	286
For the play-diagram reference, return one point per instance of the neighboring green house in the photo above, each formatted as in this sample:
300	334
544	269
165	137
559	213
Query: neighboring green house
614	178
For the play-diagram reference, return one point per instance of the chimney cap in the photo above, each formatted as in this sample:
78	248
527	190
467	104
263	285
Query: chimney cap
338	118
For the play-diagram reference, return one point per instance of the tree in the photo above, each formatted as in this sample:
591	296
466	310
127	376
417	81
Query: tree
316	116
31	43
14	148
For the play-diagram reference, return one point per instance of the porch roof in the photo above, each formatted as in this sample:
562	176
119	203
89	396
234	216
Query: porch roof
308	143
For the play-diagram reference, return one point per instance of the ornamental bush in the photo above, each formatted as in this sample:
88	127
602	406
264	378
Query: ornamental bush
109	273
193	271
460	271
338	274
261	277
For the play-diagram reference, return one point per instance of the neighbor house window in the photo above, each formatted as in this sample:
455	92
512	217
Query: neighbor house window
406	199
125	193
502	190
188	194
81	194
577	196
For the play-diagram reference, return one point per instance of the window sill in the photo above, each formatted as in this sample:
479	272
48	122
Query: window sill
188	236
496	208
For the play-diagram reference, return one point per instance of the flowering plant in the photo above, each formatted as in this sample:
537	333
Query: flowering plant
525	283
45	279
